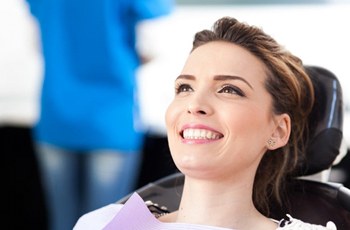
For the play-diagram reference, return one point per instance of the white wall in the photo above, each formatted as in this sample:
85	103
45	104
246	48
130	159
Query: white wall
319	34
20	64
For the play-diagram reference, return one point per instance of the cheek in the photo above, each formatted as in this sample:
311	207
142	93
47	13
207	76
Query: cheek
170	115
246	142
242	120
171	119
248	127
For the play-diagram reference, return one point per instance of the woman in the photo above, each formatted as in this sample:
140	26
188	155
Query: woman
235	130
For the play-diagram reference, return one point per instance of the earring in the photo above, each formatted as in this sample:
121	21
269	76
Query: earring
271	142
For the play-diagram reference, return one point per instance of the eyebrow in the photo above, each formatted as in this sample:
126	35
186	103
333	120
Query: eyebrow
221	77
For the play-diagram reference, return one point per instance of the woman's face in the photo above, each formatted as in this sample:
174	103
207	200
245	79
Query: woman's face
221	117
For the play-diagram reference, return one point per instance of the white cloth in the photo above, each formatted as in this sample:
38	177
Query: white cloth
295	224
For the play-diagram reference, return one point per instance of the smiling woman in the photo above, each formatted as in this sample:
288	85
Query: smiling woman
221	98
235	129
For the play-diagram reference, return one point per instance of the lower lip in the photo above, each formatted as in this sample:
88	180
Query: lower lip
198	141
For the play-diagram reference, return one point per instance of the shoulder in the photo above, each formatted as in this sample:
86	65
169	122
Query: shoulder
98	218
292	224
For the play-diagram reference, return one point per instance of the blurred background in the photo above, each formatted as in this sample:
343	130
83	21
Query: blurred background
314	30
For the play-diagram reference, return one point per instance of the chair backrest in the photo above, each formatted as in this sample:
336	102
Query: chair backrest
311	201
317	202
325	123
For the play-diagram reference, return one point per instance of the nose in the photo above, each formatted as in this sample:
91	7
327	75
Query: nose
199	106
196	110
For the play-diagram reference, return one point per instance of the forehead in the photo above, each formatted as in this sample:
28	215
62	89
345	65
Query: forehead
221	57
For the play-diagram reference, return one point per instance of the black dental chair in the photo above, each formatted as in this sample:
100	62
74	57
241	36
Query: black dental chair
311	201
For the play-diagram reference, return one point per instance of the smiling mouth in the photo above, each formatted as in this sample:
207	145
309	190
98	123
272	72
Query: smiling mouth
200	134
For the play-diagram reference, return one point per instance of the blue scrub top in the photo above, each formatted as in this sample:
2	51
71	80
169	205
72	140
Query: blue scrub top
88	98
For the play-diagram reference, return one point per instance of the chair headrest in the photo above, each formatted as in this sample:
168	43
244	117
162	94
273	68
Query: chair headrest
325	123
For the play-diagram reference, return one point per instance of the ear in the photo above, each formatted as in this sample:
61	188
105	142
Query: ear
281	133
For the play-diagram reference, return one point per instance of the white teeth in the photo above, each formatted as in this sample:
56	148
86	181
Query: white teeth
200	134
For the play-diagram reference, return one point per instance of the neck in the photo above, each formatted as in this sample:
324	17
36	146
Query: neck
218	203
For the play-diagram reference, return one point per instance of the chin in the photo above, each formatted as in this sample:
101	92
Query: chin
196	170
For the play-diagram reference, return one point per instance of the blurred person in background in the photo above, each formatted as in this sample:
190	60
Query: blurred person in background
20	72
89	134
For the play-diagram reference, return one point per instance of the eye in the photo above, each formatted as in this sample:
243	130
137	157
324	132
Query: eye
231	89
180	88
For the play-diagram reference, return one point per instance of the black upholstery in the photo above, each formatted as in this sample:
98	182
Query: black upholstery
166	191
325	123
311	201
317	202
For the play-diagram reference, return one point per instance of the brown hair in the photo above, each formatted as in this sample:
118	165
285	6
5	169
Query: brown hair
292	93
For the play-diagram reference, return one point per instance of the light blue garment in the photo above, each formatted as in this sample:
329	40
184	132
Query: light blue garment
88	97
109	176
88	103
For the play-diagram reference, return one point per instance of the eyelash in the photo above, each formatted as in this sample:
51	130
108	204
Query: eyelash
230	89
180	86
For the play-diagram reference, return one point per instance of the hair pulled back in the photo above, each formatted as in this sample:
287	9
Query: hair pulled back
292	93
